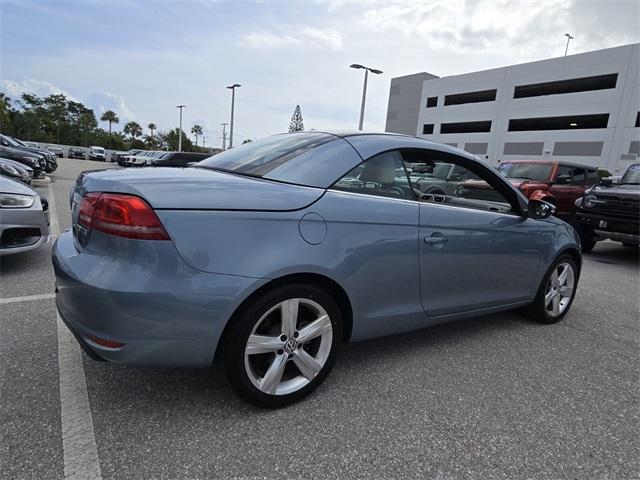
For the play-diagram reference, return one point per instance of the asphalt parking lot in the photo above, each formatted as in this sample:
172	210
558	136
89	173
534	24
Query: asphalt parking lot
491	397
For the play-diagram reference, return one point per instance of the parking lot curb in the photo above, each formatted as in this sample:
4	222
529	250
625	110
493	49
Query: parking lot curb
41	181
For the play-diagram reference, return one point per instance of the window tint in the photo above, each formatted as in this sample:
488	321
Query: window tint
579	176
262	156
382	175
442	181
529	171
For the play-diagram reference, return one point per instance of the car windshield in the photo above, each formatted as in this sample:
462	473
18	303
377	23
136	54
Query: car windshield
631	176
531	171
262	156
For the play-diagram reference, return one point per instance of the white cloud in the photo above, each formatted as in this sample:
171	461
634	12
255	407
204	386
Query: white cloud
41	88
102	101
304	37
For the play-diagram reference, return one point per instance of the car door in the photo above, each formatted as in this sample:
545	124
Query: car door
475	254
569	184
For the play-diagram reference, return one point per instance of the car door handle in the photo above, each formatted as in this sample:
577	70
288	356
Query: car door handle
435	239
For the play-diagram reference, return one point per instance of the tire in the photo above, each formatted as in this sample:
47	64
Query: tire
277	347
587	240
539	309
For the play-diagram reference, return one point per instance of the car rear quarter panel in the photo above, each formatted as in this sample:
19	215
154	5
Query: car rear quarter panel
370	248
143	294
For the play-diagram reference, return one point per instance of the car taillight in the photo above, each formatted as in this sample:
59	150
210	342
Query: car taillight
120	215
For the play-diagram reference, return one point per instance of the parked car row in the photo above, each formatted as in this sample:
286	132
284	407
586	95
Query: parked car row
37	161
156	158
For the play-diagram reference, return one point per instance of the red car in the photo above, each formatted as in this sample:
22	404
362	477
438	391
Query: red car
559	183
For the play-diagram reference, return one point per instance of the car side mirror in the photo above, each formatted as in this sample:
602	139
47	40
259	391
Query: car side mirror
539	209
563	179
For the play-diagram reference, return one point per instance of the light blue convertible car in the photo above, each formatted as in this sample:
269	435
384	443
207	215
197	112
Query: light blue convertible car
270	256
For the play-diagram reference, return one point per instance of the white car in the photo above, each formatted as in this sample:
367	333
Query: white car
97	154
57	151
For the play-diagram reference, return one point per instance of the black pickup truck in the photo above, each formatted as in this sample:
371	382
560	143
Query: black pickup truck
611	211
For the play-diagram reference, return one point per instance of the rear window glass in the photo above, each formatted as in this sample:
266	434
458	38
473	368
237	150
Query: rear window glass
531	171
262	156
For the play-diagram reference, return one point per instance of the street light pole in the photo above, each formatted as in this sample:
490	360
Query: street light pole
203	140
233	101
180	107
224	136
364	89
569	38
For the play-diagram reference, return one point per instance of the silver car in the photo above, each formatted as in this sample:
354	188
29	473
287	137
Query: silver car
23	218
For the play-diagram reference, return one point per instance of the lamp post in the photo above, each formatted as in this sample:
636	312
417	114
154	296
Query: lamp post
233	100
224	136
569	38
364	88
180	107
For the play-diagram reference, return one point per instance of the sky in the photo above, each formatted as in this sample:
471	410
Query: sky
142	58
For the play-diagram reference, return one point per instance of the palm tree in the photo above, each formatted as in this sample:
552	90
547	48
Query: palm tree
196	130
111	117
132	128
152	127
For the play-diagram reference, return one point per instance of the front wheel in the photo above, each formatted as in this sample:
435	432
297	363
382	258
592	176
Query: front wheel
556	293
283	345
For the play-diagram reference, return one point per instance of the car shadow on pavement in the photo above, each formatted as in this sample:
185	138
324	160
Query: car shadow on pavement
615	254
172	390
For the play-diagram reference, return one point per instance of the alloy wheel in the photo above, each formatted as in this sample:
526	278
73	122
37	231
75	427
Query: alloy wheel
559	289
288	346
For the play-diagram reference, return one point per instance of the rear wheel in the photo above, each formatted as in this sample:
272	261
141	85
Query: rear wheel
556	293
283	345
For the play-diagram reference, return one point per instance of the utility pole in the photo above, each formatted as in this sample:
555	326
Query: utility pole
180	107
224	136
203	140
233	101
569	38
364	88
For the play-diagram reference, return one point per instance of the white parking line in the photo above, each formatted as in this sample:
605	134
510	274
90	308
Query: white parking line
80	453
27	298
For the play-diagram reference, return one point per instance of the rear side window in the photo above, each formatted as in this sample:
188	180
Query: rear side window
528	171
262	156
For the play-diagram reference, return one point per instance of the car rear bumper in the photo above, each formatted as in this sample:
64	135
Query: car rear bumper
163	311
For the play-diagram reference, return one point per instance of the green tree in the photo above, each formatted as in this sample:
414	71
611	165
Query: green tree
170	140
152	127
111	117
197	131
296	124
5	111
246	140
132	128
